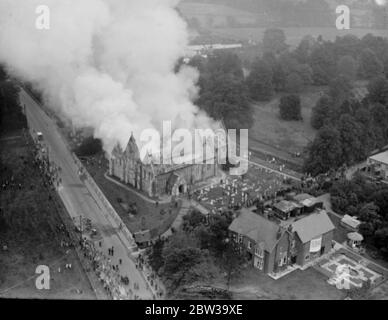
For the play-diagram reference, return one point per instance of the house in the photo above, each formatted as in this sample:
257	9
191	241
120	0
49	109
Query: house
308	202
378	164
350	223
142	238
273	244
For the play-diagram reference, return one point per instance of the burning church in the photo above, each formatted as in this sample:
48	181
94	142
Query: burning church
156	179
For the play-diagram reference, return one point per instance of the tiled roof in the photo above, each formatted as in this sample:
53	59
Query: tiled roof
380	157
257	228
313	226
286	206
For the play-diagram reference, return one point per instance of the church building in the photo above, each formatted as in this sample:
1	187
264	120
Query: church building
153	178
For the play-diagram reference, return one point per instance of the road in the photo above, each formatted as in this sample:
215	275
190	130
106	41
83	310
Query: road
77	198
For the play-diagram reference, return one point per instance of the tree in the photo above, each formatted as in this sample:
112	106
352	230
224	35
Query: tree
156	258
380	119
278	72
294	83
340	90
323	63
325	152
347	67
350	132
225	63
193	220
322	112
89	147
224	97
290	107
178	263
274	40
381	240
259	81
233	261
378	90
213	236
370	65
304	49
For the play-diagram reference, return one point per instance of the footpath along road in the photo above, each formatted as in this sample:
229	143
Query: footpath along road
80	201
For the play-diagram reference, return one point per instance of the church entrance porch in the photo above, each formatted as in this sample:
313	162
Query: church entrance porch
176	185
181	189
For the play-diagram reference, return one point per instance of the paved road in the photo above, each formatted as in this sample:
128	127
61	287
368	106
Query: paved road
76	197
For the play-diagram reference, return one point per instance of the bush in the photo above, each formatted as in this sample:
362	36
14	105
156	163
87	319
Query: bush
290	108
89	147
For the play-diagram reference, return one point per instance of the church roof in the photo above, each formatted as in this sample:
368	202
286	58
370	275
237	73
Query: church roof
132	150
117	151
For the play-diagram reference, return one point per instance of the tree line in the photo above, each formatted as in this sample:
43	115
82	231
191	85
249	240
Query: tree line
368	201
349	127
199	252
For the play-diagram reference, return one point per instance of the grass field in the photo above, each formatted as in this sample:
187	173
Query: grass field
284	138
214	15
29	221
291	136
148	215
298	285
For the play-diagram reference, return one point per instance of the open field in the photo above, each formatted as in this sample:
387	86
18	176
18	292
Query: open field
148	217
293	35
287	136
283	139
298	285
214	15
30	224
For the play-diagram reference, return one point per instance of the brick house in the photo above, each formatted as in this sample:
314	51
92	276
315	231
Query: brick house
273	245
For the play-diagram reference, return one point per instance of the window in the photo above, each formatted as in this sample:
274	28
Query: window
307	257
240	238
293	244
283	259
259	252
249	245
259	263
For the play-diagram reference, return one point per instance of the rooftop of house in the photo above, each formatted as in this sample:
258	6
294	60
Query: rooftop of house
256	228
265	231
286	206
381	157
142	236
313	226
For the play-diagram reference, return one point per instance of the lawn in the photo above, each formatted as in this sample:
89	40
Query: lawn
379	293
282	138
157	219
298	285
29	220
270	132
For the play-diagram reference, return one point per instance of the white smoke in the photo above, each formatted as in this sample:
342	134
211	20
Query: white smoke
106	64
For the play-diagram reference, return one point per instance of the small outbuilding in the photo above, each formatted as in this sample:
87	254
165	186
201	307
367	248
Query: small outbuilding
350	223
354	240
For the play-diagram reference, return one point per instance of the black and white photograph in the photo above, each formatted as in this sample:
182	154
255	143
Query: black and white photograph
215	153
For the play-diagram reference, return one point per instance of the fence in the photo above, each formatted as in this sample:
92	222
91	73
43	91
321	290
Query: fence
94	189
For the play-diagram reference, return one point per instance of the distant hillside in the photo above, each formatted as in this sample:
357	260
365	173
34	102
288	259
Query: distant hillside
280	13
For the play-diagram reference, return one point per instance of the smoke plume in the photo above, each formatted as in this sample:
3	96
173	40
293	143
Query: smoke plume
106	64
